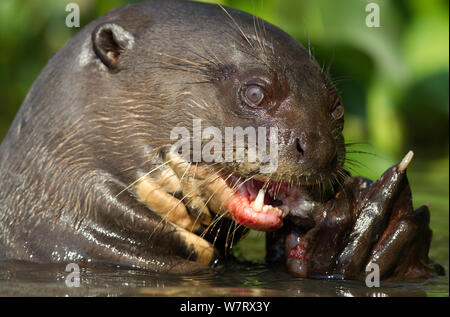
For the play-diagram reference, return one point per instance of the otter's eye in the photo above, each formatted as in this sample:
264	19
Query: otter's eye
338	111
254	95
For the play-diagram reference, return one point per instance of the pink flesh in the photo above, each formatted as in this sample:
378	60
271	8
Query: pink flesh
244	214
270	218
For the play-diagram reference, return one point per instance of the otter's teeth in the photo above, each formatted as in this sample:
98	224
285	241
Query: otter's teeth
285	209
258	204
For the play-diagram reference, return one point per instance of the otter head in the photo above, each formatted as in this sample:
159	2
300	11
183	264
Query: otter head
232	102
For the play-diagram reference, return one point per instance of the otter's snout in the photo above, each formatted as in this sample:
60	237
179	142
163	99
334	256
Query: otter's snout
315	151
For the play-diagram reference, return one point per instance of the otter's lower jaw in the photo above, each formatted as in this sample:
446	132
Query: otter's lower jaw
255	204
253	207
264	205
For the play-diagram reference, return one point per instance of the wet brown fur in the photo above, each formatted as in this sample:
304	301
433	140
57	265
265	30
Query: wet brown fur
86	156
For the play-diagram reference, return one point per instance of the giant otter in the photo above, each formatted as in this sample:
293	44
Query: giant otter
89	171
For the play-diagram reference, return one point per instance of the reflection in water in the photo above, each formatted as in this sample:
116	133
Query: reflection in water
28	279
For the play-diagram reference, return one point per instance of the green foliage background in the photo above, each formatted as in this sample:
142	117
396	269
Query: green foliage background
393	79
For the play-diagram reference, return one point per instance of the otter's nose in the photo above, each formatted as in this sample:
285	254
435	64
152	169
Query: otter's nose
315	149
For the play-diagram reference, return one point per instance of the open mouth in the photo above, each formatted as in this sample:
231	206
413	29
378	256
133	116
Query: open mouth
255	204
263	206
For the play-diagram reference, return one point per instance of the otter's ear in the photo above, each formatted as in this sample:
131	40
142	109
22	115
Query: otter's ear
110	41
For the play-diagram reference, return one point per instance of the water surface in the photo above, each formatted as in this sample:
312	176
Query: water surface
238	279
